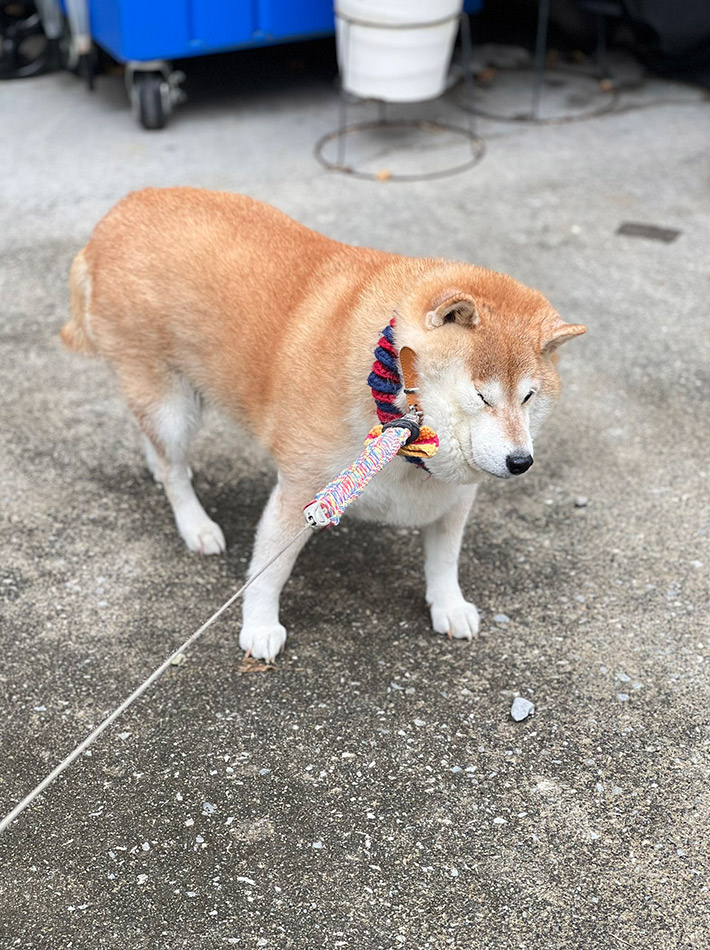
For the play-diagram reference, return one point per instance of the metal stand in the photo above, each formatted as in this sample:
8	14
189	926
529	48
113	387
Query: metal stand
539	59
344	130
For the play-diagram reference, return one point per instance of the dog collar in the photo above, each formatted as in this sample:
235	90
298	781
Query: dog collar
391	372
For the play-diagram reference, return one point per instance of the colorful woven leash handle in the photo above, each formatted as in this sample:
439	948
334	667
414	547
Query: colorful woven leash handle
329	504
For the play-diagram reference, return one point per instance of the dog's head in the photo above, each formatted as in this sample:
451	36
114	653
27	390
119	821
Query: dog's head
486	350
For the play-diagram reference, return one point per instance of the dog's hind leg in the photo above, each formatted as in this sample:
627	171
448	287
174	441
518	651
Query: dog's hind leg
169	415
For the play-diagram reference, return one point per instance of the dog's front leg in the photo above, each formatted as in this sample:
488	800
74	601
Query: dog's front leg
451	613
261	632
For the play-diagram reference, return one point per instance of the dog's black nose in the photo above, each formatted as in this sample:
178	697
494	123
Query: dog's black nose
517	464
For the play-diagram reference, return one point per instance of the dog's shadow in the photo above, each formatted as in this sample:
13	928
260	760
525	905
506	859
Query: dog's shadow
344	575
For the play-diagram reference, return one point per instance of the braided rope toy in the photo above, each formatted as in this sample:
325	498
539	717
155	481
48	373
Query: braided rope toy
397	434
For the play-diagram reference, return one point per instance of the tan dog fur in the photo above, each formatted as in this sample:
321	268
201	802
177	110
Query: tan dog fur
193	295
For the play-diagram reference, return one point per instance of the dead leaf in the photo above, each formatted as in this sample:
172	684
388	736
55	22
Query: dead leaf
250	665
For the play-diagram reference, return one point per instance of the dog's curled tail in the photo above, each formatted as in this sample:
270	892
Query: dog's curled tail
76	334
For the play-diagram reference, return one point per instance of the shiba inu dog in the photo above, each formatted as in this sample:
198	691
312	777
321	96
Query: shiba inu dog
199	297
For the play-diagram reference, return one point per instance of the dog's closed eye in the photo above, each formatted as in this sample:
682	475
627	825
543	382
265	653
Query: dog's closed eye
529	396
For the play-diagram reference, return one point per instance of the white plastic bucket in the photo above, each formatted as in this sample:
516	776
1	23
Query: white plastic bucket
384	53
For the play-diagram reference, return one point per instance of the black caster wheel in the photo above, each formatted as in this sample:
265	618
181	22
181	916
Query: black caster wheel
24	49
149	94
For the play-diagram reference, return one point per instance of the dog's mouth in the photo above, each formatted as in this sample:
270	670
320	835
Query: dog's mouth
467	455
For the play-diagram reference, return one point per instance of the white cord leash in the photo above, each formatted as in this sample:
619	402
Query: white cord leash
327	508
138	692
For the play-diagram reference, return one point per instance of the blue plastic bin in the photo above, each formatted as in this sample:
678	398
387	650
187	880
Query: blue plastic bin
175	29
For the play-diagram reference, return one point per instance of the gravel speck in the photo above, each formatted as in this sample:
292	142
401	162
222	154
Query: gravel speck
521	709
581	501
622	697
502	618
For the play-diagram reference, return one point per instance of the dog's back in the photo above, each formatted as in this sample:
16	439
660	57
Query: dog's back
209	283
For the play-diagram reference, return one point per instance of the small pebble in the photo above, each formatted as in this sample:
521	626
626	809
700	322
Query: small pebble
623	677
502	618
622	697
521	709
581	501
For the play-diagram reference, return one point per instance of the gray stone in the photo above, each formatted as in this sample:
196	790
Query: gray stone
521	709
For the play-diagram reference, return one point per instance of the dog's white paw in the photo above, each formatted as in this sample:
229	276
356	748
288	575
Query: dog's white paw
457	619
263	641
204	536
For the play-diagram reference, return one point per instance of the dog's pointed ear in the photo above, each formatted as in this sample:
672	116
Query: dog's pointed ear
560	333
454	306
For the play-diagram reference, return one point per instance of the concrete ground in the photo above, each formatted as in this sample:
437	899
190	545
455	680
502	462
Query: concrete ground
372	791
